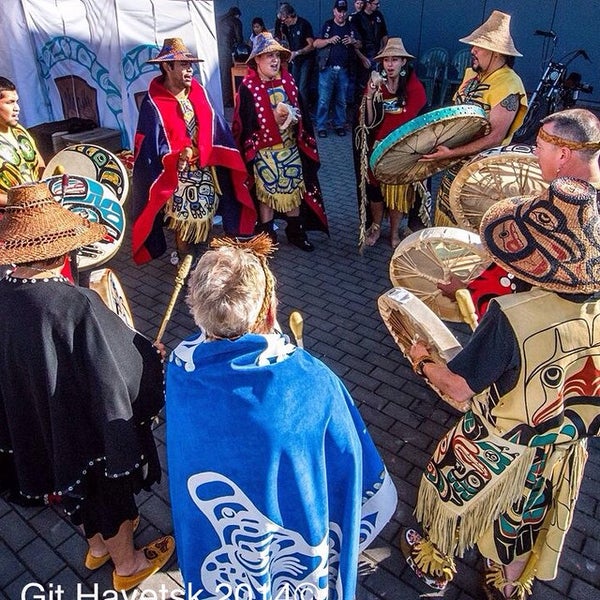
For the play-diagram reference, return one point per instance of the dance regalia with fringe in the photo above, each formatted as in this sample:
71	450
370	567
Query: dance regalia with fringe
254	134
275	482
78	391
390	113
161	135
507	476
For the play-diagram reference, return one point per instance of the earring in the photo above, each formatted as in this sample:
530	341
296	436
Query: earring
402	73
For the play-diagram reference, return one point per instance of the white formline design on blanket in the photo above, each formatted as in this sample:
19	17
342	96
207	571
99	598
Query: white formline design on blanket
246	557
262	512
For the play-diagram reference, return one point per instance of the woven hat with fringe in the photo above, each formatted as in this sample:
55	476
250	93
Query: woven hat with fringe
174	49
394	47
265	42
494	35
36	227
552	240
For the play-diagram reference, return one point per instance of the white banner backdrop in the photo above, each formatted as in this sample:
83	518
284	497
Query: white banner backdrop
87	58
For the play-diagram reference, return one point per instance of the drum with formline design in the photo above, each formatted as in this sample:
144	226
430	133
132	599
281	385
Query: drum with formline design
93	162
97	203
396	159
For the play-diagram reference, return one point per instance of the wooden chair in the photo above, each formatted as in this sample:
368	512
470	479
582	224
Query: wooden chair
432	71
456	70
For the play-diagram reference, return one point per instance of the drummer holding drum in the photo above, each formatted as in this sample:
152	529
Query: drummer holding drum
567	145
390	99
493	85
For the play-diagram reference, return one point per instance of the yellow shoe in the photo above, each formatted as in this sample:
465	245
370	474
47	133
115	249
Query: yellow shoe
158	553
95	562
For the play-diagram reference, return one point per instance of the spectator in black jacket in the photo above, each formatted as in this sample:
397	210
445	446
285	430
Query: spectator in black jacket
229	35
336	54
298	34
374	34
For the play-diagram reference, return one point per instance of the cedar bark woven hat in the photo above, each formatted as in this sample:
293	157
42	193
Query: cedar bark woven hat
174	49
394	47
552	240
35	226
494	35
265	42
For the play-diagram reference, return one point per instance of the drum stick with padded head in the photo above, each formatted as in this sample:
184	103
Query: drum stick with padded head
466	307
182	273
297	326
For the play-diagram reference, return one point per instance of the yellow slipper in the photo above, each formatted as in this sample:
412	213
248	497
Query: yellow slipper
158	553
95	562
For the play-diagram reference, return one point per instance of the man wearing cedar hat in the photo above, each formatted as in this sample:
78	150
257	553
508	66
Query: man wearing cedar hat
507	476
78	393
492	84
187	168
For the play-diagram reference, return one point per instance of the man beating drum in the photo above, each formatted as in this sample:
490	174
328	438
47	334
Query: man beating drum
493	85
507	476
568	144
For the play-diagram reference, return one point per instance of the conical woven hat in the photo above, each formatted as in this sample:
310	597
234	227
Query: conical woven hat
494	35
265	42
551	240
174	49
35	226
394	47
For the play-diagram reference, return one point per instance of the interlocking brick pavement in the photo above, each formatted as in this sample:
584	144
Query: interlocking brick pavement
336	290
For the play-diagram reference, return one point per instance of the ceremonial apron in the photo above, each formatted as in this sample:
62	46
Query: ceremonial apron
507	476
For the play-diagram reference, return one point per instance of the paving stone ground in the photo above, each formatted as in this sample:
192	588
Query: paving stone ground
336	291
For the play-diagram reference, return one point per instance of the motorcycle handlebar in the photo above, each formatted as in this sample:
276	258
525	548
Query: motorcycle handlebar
548	34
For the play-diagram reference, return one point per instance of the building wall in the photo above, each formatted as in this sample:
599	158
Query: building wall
424	24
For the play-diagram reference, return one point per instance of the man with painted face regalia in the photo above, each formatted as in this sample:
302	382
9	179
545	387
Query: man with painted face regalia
493	85
506	478
187	168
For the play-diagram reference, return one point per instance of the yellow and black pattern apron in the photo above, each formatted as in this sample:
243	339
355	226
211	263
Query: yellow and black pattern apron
278	169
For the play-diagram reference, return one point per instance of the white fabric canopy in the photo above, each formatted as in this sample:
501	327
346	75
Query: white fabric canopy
107	44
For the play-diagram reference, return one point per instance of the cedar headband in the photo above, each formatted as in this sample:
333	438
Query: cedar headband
559	141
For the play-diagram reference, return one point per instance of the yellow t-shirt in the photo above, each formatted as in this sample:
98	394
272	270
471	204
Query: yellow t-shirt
492	90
